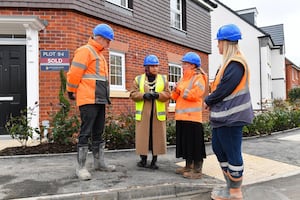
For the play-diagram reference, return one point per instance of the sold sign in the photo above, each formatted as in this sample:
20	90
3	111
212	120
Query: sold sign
53	60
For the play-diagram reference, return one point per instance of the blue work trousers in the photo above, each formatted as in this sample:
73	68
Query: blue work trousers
227	145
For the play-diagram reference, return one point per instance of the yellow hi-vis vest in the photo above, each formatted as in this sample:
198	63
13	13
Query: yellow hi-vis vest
160	106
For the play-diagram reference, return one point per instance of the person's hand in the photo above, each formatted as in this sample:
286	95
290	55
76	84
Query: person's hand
148	96
71	95
155	95
206	107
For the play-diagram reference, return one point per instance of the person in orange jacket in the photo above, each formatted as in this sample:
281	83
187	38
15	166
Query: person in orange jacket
189	94
87	83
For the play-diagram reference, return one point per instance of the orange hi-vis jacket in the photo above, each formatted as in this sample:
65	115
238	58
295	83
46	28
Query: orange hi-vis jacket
189	95
88	75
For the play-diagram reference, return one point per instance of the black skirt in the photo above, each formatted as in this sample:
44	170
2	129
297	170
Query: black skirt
190	141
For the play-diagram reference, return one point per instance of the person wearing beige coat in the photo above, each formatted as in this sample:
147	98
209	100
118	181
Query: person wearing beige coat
150	91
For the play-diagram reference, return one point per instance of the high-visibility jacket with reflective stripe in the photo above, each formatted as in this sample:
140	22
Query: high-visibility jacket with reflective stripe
237	106
160	106
88	75
190	100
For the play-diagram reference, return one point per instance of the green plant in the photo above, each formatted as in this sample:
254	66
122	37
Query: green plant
281	120
294	94
19	127
120	131
262	124
63	126
171	132
295	117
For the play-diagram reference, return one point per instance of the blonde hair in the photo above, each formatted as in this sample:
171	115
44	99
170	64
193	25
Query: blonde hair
230	49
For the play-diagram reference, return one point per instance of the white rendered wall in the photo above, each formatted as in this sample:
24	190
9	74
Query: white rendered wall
278	75
249	45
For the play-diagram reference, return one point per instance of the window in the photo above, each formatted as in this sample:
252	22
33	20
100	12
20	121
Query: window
123	3
175	73
178	17
117	70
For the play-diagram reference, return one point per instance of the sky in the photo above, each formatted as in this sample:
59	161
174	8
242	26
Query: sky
272	12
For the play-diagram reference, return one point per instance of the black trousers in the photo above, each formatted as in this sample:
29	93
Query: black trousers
92	124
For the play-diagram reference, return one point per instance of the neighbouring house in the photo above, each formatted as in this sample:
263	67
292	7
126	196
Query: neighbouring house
263	49
292	72
38	38
277	60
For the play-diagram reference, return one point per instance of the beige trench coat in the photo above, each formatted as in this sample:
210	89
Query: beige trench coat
142	127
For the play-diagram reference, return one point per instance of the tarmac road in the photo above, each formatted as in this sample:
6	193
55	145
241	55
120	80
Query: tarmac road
281	147
272	171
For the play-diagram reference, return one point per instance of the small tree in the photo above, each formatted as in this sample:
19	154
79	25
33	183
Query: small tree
63	126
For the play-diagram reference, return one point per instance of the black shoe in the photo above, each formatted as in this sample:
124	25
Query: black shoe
142	164
153	166
143	161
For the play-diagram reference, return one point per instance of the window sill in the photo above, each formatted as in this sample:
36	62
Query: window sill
118	8
178	32
119	94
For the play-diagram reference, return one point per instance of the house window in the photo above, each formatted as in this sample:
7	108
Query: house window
122	3
175	73
178	16
117	70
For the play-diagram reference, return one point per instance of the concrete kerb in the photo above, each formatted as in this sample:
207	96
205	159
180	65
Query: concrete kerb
137	193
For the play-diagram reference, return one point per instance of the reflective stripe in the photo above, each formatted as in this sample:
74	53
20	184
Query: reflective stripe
138	112
72	85
161	113
187	90
236	168
94	77
80	65
244	91
224	164
200	85
97	58
186	110
164	79
231	111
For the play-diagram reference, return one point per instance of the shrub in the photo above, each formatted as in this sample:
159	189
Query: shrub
294	94
19	127
207	131
120	131
262	124
63	126
281	120
295	117
171	132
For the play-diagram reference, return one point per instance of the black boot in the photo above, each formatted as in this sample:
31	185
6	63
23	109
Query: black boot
153	163
143	161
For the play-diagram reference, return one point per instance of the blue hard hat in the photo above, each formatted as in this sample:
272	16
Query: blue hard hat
151	60
229	32
193	58
104	30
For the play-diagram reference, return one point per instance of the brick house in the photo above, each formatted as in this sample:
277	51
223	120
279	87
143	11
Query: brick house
292	73
167	29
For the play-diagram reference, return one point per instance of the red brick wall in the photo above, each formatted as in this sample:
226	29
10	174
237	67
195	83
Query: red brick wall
290	83
68	30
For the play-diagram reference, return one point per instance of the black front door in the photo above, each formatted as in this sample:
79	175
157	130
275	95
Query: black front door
13	97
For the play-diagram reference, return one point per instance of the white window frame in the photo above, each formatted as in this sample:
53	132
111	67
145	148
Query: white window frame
171	82
176	11
122	3
122	86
